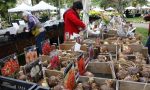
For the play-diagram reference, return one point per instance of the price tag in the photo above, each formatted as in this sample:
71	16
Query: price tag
77	47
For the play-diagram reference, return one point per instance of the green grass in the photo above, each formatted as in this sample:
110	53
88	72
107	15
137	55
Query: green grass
135	19
143	32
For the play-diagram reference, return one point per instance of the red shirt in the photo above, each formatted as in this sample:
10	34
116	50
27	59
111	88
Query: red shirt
72	22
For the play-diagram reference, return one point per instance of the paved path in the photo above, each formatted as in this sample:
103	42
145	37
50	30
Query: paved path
144	25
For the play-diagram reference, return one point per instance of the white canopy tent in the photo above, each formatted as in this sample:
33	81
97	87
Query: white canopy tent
145	7
110	9
98	9
43	6
130	8
22	7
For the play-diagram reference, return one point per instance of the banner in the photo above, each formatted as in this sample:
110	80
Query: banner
30	54
69	80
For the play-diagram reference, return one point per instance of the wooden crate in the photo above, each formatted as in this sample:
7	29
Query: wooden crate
49	73
99	81
128	85
101	69
138	48
69	46
45	58
69	42
112	49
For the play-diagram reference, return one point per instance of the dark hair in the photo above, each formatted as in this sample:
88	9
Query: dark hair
77	5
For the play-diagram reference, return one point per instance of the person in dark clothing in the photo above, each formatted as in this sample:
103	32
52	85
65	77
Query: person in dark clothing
148	40
35	27
147	18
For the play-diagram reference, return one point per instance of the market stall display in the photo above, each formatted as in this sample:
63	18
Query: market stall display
112	59
33	71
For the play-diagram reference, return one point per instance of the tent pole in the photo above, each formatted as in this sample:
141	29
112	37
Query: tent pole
9	16
48	14
58	10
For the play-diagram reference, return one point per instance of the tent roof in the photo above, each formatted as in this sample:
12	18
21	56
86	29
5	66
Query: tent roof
145	7
22	7
110	9
43	6
130	7
98	9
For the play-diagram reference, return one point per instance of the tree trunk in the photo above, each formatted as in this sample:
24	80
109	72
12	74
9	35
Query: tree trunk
32	1
37	1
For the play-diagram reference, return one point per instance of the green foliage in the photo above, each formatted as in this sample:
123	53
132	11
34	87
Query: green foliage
140	2
135	19
144	33
118	4
95	2
4	6
14	16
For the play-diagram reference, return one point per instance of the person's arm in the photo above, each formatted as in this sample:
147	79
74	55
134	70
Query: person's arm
75	20
31	23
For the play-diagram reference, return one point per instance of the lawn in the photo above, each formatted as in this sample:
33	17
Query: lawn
135	19
143	32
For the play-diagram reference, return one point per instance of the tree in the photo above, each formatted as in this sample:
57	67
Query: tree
119	4
4	6
140	2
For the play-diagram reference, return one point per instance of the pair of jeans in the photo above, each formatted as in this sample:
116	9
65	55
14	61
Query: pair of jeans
38	40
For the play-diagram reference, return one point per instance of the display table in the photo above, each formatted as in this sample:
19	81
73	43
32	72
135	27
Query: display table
17	42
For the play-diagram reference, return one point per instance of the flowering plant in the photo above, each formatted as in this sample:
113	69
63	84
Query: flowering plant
9	66
46	48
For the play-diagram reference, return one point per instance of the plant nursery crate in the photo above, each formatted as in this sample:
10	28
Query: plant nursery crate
112	49
139	48
129	85
49	73
99	81
111	33
136	48
69	46
14	84
45	58
101	69
69	42
42	88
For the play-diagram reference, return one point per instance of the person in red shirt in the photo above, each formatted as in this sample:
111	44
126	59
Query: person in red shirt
72	20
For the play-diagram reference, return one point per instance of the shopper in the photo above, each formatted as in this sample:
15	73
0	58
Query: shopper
148	40
72	21
35	27
147	18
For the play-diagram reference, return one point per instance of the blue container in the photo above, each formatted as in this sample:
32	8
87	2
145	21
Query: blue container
42	88
14	84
